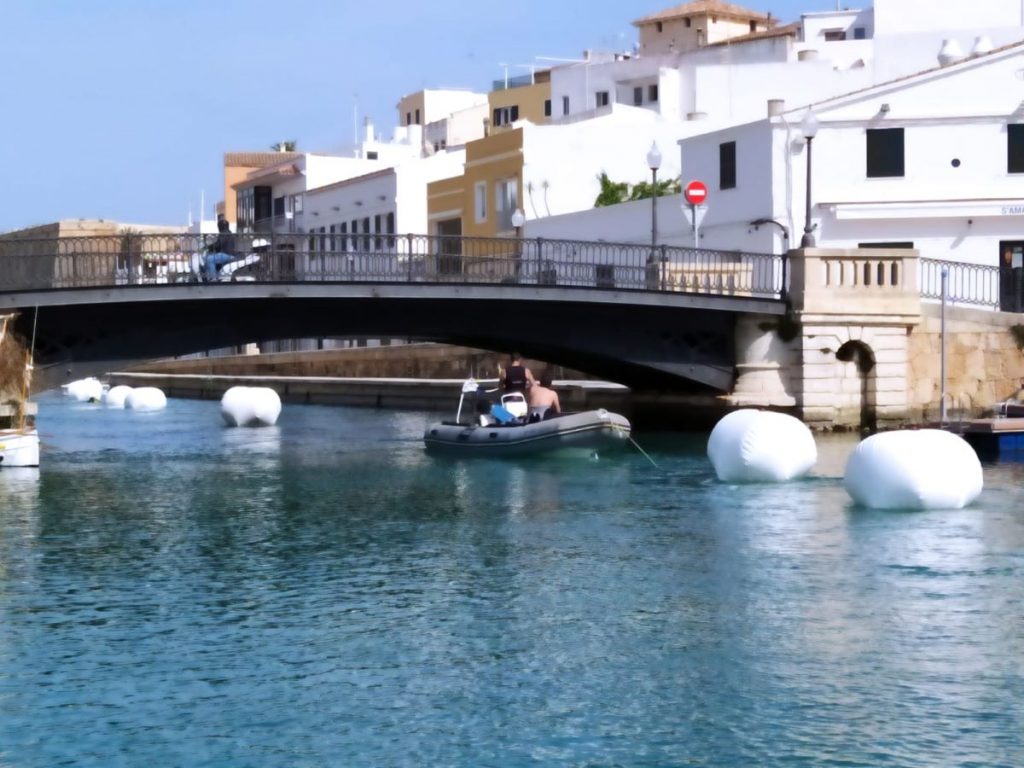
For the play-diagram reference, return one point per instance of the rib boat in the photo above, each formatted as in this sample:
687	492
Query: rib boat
597	430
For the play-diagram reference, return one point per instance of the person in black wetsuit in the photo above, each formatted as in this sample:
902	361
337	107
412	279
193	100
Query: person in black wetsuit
517	377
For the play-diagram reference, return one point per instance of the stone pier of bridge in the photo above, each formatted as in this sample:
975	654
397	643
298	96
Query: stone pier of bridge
858	348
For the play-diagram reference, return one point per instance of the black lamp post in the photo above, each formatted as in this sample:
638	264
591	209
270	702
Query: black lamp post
809	129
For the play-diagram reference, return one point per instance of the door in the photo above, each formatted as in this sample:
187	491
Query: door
1011	276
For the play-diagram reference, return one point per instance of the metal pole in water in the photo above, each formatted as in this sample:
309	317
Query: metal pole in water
942	351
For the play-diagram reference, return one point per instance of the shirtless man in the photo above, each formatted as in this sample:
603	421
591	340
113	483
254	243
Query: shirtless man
542	398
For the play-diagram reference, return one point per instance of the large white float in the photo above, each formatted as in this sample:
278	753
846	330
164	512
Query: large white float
914	469
115	396
84	390
145	399
250	407
749	446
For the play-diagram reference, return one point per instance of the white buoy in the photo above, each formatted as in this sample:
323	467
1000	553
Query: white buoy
145	399
914	469
84	390
115	396
750	446
250	407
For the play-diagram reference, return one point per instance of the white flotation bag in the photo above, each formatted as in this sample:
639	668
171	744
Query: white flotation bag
250	407
85	390
145	399
115	396
750	446
914	469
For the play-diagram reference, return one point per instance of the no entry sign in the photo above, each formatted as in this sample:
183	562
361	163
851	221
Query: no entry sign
696	192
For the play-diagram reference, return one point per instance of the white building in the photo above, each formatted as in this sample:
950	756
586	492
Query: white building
934	161
359	213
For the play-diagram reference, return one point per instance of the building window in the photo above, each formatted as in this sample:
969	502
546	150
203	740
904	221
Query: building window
834	35
330	241
480	197
355	234
686	22
859	33
884	152
727	165
366	233
389	227
417	116
547	107
343	240
658	27
638	96
371	155
1015	148
601	98
506	200
753	26
506	115
408	118
378	241
652	92
565	105
279	206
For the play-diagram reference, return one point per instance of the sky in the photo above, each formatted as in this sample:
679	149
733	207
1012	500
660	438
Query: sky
122	109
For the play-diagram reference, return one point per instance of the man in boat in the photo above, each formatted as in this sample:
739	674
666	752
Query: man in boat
517	377
542	399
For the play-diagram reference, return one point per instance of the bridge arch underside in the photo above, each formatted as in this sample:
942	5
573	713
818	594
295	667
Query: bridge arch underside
644	346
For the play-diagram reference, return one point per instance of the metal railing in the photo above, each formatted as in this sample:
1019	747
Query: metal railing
367	257
974	284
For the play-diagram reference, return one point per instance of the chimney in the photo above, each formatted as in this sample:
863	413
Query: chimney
776	107
367	129
950	52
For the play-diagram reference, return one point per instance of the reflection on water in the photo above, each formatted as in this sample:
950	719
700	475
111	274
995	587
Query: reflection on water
324	593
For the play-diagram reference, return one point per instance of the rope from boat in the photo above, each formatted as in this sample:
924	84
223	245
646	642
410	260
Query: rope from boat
636	445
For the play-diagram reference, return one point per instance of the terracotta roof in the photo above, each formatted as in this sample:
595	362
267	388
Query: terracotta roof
788	30
703	7
257	159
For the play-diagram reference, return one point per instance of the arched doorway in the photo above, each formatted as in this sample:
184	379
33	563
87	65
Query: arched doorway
863	359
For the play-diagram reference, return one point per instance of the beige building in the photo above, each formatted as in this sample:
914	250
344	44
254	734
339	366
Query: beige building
237	166
521	98
694	25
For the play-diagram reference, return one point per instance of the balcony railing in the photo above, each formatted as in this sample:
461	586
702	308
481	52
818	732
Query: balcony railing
973	284
89	262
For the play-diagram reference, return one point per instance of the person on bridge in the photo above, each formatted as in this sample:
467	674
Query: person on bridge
543	400
221	251
517	377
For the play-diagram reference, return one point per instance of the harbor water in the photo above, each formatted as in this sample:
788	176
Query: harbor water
323	593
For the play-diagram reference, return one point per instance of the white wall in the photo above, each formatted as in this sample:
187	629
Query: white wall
562	162
440	104
910	16
624	223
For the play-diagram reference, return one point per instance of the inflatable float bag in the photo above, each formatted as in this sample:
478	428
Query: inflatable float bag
145	399
115	396
749	446
914	469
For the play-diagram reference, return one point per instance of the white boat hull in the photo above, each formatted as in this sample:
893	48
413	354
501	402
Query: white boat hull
591	430
19	448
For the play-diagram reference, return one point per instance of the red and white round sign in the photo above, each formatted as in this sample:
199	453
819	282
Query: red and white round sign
696	192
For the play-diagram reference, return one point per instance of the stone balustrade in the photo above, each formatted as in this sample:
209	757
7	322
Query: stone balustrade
861	281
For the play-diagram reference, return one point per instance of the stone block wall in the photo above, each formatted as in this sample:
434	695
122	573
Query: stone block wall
984	366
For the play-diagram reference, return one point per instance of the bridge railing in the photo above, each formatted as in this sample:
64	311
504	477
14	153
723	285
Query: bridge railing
973	284
144	259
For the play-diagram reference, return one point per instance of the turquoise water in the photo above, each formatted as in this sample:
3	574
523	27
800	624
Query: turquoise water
323	593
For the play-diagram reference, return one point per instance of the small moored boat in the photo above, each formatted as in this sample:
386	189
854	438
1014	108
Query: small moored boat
595	430
19	448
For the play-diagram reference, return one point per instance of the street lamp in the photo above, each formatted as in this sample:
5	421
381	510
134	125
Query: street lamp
518	219
654	163
809	129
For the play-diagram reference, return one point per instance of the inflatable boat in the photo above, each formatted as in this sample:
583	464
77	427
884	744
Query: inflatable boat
597	430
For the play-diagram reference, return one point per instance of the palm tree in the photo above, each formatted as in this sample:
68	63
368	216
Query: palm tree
645	190
612	192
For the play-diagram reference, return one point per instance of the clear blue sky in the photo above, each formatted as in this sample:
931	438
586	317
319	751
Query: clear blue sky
122	109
